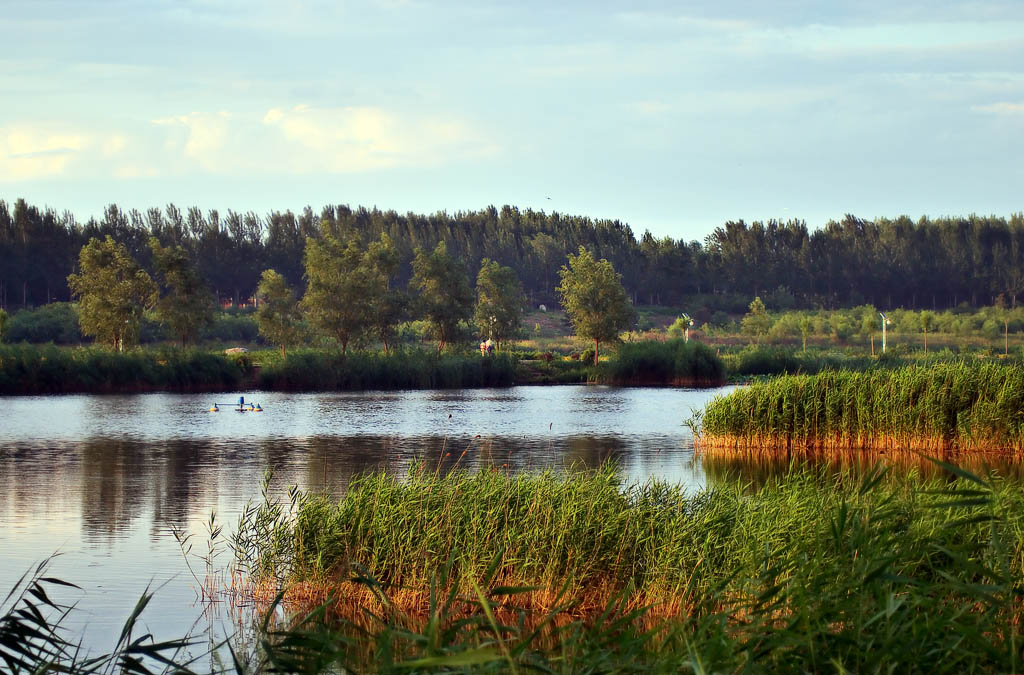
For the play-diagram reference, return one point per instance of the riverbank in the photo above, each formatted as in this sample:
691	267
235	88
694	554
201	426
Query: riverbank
27	369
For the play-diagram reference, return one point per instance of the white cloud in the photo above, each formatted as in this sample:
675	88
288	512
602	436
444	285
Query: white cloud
204	140
366	138
1003	108
27	152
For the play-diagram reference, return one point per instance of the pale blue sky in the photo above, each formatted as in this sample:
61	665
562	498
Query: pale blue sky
673	117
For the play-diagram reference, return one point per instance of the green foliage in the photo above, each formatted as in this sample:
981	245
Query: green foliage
113	291
56	322
4	325
232	327
26	369
499	302
594	299
186	305
853	572
672	362
389	306
277	315
971	406
444	297
756	321
34	637
338	298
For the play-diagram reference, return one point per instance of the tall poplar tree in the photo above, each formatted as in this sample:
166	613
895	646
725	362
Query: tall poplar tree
338	293
499	302
445	298
186	305
592	295
277	315
113	291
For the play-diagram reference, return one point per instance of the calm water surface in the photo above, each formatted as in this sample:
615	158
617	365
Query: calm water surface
105	480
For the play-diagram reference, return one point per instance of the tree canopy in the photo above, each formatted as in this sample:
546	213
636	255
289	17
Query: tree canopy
186	304
277	313
113	290
499	302
923	263
593	297
444	296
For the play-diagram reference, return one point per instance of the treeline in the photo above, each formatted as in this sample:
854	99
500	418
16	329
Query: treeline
934	263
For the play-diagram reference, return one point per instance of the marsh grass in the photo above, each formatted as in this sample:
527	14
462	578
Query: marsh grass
947	408
675	362
31	369
808	571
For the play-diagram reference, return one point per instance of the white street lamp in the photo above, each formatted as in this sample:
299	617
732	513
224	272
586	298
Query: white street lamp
885	322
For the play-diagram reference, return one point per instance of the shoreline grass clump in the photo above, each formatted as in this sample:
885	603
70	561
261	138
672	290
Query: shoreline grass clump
942	408
810	571
673	362
31	369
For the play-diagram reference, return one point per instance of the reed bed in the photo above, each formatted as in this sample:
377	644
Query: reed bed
806	571
30	369
491	572
809	572
674	362
948	408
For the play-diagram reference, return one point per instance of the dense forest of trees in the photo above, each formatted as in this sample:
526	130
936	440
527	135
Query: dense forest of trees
932	262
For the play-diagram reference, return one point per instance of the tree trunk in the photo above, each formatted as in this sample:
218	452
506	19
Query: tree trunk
597	349
284	354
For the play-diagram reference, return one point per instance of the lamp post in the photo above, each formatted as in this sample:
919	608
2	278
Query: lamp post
686	326
885	322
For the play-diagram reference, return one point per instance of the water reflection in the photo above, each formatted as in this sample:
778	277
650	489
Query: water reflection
118	481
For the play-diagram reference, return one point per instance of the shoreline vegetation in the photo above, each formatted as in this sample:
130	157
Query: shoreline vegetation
861	571
942	408
489	571
31	369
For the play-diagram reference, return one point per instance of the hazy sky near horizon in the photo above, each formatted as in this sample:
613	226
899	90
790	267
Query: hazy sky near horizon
671	116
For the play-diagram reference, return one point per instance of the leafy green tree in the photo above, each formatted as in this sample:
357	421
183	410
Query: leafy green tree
592	295
113	291
277	314
444	296
338	293
186	305
805	329
3	325
756	321
389	306
499	302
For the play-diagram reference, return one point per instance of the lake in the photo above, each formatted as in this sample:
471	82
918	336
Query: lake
106	480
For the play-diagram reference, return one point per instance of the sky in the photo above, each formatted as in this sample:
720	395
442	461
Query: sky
671	116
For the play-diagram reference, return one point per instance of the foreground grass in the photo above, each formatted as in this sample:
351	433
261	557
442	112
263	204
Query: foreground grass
807	572
957	406
810	572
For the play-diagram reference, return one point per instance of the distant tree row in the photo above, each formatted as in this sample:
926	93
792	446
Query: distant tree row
349	295
928	263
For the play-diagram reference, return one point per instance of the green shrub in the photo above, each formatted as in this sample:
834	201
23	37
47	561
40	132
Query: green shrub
56	322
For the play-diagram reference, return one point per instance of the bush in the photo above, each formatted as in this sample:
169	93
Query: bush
671	362
56	322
